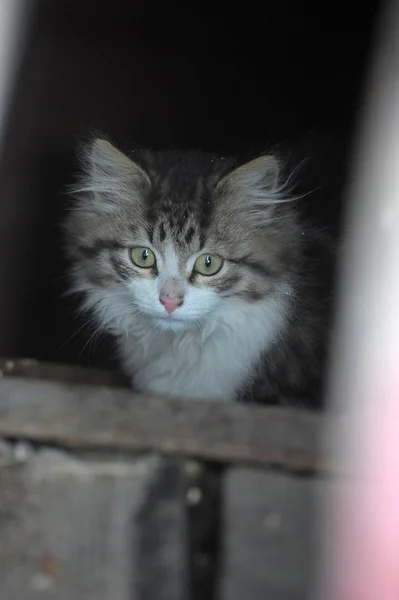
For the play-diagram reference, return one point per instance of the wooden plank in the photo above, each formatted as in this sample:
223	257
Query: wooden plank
92	530
84	416
269	535
34	369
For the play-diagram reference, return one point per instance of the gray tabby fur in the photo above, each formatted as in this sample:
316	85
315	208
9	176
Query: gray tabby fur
254	331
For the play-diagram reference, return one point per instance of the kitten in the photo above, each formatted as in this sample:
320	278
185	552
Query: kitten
203	271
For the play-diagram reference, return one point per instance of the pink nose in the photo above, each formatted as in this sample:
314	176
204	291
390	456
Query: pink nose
170	304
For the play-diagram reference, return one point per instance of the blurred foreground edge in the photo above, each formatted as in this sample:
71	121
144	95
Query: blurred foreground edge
361	516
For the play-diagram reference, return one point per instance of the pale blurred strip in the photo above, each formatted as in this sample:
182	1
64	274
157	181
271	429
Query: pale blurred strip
14	16
361	543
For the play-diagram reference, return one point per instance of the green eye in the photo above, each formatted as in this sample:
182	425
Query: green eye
208	264
142	257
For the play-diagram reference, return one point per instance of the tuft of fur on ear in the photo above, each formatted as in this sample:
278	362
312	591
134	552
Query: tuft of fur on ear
110	177
261	174
254	189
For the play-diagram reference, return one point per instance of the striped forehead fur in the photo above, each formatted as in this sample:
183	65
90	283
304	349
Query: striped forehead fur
110	179
193	199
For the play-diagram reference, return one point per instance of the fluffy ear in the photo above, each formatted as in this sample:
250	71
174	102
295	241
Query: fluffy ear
253	189
258	178
110	177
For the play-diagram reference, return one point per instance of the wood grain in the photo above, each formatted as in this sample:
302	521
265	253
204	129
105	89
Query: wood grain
34	369
271	535
83	416
93	530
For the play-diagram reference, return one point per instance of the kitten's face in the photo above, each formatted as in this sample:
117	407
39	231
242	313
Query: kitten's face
177	240
172	292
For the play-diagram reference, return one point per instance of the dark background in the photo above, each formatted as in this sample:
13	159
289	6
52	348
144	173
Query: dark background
219	78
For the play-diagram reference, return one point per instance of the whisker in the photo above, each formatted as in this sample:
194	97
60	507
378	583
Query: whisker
85	324
223	322
90	339
95	340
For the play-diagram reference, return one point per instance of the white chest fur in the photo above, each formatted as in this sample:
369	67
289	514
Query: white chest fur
214	361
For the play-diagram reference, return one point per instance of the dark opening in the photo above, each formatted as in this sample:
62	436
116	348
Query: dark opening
222	79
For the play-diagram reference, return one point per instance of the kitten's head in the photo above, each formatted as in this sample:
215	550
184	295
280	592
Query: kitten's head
178	237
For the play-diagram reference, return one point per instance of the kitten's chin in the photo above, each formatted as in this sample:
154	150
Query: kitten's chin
172	325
